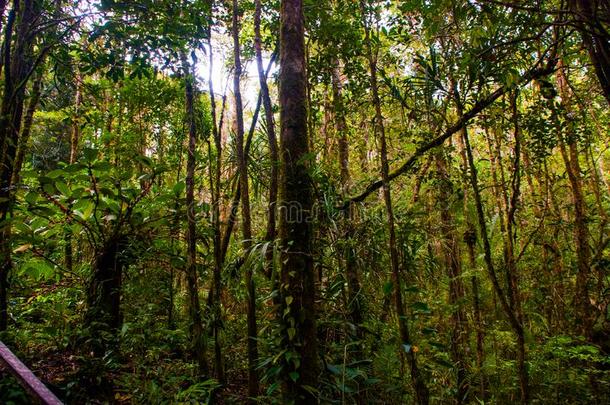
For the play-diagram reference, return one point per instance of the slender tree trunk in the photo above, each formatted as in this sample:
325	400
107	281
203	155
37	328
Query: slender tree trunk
355	302
28	119
478	318
421	390
75	135
470	239
9	22
585	311
297	289
196	327
514	322
511	241
273	148
508	203
215	180
74	141
341	125
459	335
351	266
175	230
226	238
253	388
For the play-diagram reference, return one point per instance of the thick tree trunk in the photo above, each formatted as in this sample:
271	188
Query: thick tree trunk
596	41
253	388
297	289
104	297
17	60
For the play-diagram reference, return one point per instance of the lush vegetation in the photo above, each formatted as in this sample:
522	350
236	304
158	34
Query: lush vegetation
304	201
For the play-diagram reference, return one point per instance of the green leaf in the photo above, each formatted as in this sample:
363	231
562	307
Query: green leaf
45	180
74	168
179	187
388	287
90	154
39	270
87	210
62	188
291	333
48	188
53	174
421	307
144	160
412	288
31	197
102	166
333	369
294	376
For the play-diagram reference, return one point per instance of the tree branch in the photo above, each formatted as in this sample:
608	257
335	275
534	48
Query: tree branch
407	166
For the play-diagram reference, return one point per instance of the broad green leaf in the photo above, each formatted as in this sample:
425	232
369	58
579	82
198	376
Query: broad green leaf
31	197
62	188
102	166
90	154
55	173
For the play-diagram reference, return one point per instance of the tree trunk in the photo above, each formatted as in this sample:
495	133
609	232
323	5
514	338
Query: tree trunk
341	125
452	258
18	61
514	322
355	302
585	311
196	327
595	39
215	180
103	316
470	240
74	141
297	289
421	390
511	241
273	152
253	388
24	137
